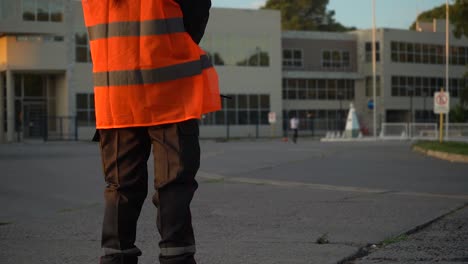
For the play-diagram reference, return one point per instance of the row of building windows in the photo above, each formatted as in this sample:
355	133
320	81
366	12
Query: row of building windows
318	89
405	52
39	38
232	50
82	51
241	109
316	119
331	59
336	59
43	10
292	58
424	86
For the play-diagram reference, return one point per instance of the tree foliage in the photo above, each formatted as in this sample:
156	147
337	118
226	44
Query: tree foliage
458	16
306	15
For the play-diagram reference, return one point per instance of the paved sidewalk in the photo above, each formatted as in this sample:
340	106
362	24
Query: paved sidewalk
444	241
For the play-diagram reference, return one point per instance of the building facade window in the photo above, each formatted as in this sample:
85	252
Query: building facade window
368	49
39	38
233	50
35	103
241	109
318	89
292	58
370	88
82	52
317	119
85	115
336	59
420	53
43	10
425	86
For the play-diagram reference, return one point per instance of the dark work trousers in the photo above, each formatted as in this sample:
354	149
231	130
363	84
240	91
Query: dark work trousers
124	155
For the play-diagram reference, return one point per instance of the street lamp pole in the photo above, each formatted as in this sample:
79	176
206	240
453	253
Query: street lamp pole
447	61
410	118
374	69
424	94
339	124
411	106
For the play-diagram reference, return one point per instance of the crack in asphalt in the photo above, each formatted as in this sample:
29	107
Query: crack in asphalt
369	248
211	177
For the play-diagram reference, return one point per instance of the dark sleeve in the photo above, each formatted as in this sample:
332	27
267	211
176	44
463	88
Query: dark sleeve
196	14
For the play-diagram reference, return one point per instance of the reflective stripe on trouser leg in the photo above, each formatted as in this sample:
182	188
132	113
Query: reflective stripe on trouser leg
175	251
132	251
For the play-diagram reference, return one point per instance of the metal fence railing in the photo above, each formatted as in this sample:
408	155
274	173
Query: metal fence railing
394	131
424	131
458	131
61	128
47	128
427	131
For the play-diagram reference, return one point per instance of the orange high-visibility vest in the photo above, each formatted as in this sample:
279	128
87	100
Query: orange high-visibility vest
147	69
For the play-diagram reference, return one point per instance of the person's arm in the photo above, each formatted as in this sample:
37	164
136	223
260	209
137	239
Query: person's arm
196	14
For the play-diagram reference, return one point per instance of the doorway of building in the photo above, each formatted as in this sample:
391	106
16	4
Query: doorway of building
34	120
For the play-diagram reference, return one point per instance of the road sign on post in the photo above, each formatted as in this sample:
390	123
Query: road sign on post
272	117
441	102
441	106
272	121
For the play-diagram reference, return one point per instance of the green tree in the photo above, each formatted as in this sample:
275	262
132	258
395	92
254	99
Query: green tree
306	15
458	16
458	114
428	16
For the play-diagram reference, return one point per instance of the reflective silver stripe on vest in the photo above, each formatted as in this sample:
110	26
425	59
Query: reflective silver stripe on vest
132	251
136	28
175	251
152	76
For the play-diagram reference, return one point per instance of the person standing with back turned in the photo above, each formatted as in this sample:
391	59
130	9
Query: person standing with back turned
152	83
294	124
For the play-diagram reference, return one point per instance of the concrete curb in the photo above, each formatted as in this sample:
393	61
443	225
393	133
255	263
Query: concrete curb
442	155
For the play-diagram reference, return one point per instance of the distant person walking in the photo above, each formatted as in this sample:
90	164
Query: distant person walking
152	83
294	125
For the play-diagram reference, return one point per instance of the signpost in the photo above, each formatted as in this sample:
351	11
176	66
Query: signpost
272	121
441	106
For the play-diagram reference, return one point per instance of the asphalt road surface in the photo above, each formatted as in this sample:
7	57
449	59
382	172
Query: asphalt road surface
264	201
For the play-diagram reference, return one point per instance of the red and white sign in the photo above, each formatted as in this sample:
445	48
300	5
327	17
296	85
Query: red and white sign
441	102
272	117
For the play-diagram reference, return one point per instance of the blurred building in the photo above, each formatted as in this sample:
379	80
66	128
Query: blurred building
46	81
45	70
245	47
324	72
46	86
320	77
410	68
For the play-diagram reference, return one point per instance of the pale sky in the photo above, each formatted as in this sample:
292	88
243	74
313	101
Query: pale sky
358	13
